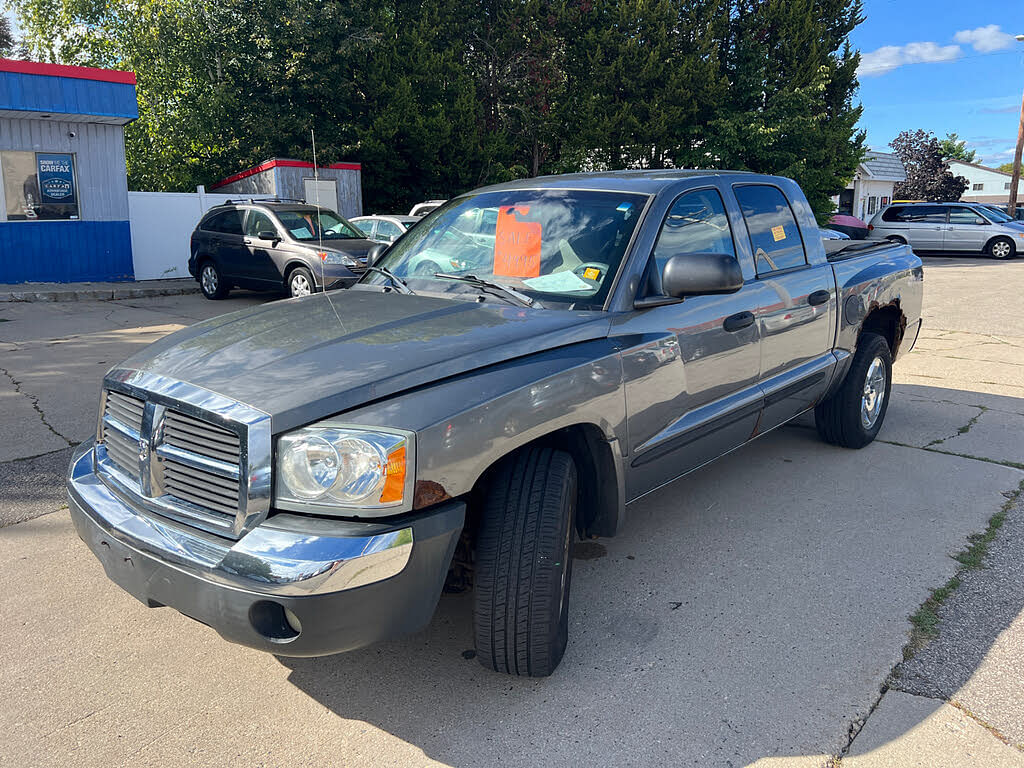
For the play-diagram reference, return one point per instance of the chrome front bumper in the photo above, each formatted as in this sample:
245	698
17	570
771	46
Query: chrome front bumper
293	585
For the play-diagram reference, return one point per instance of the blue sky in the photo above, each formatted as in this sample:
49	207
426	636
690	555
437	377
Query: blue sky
946	66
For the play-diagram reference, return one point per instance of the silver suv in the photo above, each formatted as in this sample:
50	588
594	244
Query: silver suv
954	227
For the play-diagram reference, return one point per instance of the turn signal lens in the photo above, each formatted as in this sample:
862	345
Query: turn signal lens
394	480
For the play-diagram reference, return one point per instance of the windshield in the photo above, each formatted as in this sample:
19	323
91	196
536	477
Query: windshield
996	215
554	245
306	224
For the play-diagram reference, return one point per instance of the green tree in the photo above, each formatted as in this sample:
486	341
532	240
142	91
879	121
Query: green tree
790	110
7	41
952	148
928	176
220	85
1006	167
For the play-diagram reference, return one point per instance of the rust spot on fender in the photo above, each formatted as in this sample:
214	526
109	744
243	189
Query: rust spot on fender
428	492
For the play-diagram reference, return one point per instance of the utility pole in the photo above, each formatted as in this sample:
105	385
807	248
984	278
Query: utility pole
1015	182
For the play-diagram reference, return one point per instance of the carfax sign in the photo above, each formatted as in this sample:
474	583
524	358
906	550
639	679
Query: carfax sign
56	178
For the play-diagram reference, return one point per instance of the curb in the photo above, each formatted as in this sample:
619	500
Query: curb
94	294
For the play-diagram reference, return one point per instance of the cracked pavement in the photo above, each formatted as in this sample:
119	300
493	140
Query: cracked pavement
733	623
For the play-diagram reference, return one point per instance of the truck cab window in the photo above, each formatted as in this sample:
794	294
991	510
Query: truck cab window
696	223
774	235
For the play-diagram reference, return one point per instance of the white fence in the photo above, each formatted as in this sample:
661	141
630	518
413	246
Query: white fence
162	223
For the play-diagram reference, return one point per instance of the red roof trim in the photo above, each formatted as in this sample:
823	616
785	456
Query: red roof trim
65	70
280	163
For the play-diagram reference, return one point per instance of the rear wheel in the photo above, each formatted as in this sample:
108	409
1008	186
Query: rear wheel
896	239
1001	248
211	282
523	564
854	414
300	282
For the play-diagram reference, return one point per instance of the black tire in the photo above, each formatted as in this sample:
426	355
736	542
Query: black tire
523	564
211	281
300	283
896	239
1001	248
841	419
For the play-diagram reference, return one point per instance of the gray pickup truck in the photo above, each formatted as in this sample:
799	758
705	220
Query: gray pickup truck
518	369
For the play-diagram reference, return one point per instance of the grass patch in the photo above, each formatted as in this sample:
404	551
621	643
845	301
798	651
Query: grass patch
925	621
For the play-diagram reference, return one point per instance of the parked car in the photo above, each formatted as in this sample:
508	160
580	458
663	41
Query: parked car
1005	209
949	228
385	229
274	246
298	475
851	225
422	209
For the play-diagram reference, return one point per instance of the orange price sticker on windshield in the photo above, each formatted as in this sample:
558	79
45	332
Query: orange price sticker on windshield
779	233
516	243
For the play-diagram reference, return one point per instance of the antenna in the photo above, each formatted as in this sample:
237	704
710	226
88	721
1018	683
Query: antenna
319	224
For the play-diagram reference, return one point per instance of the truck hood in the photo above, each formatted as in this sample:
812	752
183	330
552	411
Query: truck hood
305	359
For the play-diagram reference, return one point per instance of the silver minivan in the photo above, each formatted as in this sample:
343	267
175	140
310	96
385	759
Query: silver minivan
949	227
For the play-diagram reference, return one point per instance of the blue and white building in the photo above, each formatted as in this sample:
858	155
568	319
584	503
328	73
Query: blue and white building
64	192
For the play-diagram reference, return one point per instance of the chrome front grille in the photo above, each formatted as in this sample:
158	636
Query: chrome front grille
122	424
188	454
201	437
192	472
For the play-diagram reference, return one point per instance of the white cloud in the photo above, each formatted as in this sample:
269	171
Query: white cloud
985	39
889	57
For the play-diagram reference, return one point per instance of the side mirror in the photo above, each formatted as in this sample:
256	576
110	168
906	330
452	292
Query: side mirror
373	255
266	234
695	274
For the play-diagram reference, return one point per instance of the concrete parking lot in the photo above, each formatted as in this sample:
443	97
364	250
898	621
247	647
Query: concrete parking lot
752	613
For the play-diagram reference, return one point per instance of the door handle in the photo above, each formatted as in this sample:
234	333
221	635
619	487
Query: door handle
738	322
818	297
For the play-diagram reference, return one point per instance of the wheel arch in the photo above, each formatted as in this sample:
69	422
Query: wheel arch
995	238
294	264
889	322
600	490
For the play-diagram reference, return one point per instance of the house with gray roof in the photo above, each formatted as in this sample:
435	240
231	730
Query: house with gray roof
872	185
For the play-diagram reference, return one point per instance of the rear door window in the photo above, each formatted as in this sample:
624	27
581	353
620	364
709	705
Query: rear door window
774	235
893	213
226	222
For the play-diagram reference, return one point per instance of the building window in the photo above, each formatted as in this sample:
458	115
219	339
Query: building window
39	186
978	187
872	205
1006	185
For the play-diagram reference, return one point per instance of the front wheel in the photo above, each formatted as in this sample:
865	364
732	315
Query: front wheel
1001	248
523	565
300	282
854	414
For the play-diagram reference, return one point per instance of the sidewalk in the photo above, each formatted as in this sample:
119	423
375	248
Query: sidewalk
95	291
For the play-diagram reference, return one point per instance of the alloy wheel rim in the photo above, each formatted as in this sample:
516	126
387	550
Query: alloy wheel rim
874	393
300	286
209	279
1001	250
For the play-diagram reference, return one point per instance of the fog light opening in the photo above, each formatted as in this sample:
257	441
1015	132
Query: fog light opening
274	622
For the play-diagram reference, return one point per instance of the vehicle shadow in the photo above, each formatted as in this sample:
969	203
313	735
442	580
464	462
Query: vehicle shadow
750	611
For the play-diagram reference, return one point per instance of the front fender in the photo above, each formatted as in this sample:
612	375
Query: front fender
467	423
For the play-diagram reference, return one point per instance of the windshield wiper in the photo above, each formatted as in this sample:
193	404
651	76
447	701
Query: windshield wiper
510	293
399	284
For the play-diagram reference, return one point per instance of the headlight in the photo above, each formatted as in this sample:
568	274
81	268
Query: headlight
335	467
330	257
